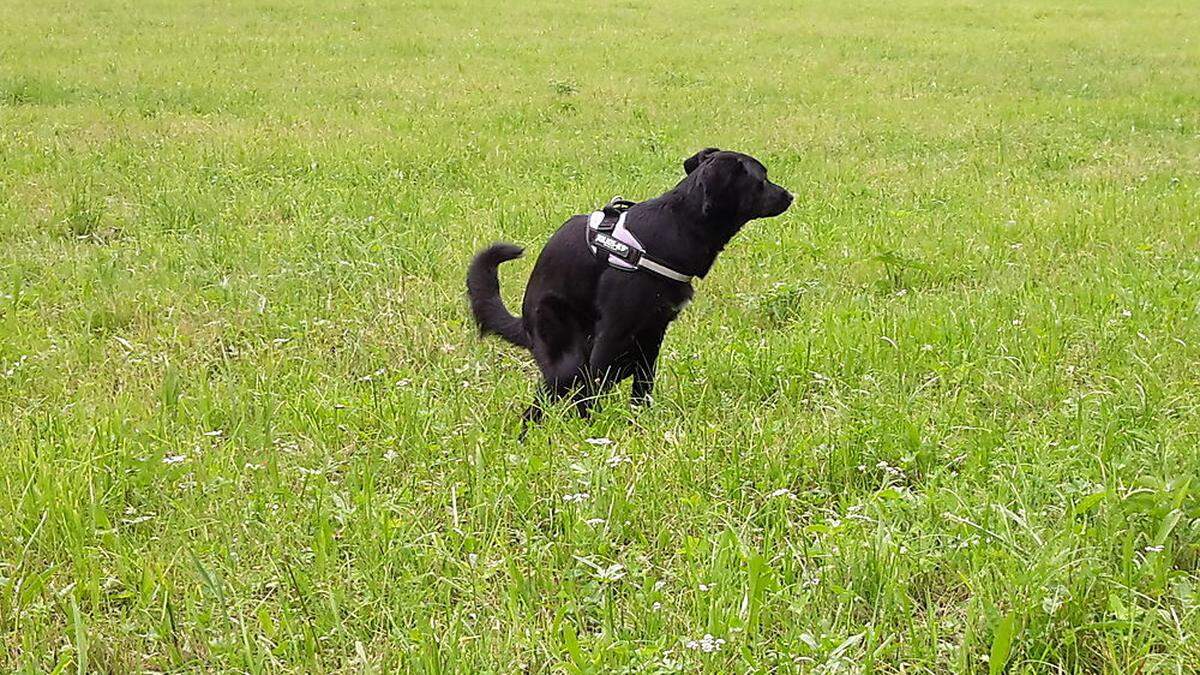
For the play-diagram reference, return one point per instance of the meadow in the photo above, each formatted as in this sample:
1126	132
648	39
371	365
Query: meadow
941	416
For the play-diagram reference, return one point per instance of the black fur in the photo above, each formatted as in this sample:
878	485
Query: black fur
483	288
590	326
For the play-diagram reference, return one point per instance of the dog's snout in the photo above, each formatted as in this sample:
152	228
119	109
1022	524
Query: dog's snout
779	201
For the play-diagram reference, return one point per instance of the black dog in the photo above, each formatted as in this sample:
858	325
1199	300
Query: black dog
590	325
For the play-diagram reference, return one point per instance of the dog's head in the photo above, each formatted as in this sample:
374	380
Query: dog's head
735	185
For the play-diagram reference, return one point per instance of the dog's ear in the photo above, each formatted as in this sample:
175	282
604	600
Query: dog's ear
690	164
720	183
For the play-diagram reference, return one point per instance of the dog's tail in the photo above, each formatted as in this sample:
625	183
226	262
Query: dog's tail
483	288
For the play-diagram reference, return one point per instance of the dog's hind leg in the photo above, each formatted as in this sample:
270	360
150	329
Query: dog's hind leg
562	379
535	411
560	348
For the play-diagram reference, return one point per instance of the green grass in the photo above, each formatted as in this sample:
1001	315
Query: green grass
940	416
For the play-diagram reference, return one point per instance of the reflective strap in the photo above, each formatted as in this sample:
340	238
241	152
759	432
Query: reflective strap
646	263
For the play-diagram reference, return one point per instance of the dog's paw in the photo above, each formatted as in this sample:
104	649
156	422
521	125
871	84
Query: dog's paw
644	401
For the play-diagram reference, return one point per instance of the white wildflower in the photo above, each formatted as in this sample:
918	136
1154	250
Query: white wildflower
617	460
15	365
599	441
707	644
670	664
576	498
1054	601
174	459
612	573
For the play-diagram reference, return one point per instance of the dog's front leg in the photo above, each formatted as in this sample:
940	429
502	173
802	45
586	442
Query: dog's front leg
611	362
645	364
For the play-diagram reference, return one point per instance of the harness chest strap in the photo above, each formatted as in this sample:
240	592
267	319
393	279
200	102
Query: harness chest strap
607	233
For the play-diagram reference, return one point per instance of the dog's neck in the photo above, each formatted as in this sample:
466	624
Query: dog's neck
707	231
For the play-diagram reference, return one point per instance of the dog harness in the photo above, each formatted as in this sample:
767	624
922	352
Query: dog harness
608	237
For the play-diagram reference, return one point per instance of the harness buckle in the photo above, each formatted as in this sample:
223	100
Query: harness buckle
615	207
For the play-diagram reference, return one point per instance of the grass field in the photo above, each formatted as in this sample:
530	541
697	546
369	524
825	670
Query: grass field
940	416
